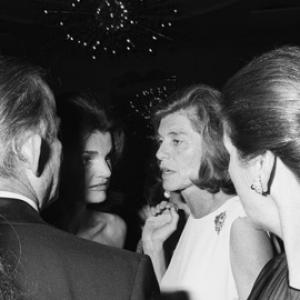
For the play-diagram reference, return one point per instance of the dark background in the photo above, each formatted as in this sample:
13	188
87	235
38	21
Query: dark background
210	40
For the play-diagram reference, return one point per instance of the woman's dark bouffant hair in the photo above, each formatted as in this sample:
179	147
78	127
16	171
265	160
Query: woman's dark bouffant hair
202	107
262	107
81	115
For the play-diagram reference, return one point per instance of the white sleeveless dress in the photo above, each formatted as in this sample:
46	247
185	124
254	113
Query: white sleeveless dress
200	265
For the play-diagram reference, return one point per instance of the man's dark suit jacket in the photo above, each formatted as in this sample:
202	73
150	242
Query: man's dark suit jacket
52	264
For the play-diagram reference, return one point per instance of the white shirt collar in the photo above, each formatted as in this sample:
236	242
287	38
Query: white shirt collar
11	195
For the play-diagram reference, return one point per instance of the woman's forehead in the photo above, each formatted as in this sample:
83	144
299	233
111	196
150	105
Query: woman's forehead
175	122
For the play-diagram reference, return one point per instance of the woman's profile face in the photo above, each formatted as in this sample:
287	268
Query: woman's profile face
261	209
235	167
97	149
179	153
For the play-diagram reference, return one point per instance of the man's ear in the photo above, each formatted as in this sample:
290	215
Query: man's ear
30	152
267	163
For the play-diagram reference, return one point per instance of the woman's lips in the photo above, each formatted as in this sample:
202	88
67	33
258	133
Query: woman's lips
98	187
166	172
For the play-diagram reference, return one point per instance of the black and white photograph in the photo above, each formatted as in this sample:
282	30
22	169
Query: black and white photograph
149	150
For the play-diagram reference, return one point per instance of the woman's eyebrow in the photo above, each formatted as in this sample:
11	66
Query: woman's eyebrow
176	133
171	133
90	152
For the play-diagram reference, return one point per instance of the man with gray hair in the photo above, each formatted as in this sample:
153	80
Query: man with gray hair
45	262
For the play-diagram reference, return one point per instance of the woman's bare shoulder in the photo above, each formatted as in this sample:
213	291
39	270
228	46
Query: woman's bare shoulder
105	228
250	250
108	219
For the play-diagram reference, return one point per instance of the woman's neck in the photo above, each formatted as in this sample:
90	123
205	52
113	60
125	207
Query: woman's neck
285	192
201	202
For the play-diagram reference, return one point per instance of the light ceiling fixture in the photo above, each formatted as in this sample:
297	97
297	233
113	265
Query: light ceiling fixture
115	26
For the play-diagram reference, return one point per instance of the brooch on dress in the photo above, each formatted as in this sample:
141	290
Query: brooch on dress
219	221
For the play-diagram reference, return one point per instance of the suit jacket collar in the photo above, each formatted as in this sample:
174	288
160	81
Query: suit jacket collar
18	211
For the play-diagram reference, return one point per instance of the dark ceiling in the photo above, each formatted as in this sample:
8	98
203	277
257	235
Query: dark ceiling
24	30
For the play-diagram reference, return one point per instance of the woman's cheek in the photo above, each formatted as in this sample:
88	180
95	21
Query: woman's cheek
231	169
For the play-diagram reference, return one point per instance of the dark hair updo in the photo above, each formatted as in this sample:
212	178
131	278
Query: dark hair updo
262	107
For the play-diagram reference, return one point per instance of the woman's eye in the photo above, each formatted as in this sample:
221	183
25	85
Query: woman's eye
158	142
109	158
86	159
176	142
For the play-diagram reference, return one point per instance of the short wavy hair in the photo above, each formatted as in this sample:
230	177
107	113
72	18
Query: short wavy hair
202	106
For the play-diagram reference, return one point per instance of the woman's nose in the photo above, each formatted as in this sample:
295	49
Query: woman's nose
103	169
162	152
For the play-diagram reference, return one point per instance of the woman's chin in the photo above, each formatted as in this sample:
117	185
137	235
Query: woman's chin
95	197
167	186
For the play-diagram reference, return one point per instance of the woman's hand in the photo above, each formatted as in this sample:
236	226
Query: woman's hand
160	225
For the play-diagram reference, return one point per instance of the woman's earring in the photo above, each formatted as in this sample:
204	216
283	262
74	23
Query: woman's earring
257	186
167	194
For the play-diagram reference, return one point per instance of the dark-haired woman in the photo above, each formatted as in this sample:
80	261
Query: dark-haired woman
262	109
92	144
219	253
